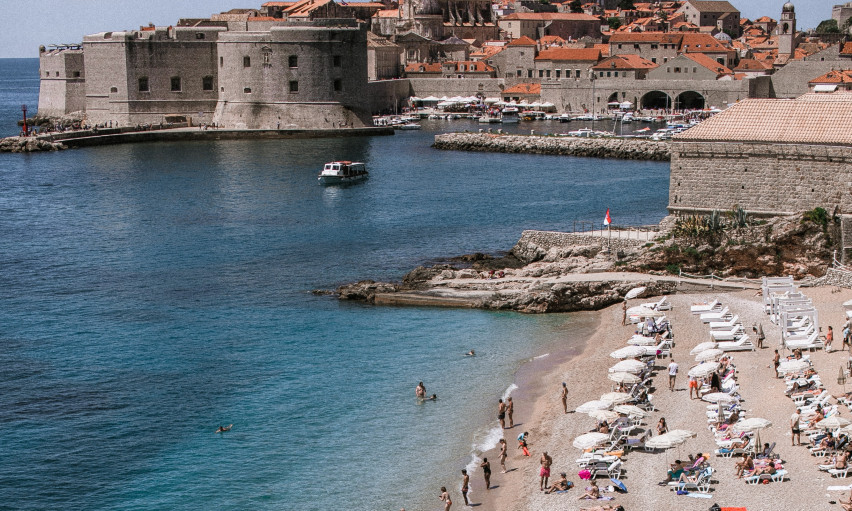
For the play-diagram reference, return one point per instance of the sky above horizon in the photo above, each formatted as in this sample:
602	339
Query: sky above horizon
25	26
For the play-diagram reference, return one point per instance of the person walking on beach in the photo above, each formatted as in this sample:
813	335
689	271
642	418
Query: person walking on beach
522	443
486	472
693	386
829	337
564	396
794	427
510	409
501	413
624	313
420	390
544	473
776	361
465	486
503	454
758	330
673	367
445	498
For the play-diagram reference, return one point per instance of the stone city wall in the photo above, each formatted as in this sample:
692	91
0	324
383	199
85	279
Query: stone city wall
628	149
760	178
835	277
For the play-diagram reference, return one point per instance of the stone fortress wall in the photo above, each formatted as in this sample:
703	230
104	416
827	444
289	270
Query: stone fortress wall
759	177
212	75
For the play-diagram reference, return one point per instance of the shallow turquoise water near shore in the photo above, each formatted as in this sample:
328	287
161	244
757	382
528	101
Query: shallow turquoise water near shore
149	293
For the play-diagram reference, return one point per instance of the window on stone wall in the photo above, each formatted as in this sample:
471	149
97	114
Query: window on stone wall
547	73
338	85
143	84
175	82
558	71
207	83
76	74
246	61
113	90
519	73
529	73
294	86
293	61
57	73
221	61
577	74
247	90
199	35
541	73
336	61
694	69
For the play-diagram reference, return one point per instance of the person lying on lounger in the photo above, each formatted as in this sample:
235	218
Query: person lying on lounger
746	465
768	469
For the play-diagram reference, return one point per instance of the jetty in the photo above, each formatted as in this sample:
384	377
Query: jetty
619	148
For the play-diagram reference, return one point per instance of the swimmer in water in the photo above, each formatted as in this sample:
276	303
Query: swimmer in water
223	429
470	353
433	397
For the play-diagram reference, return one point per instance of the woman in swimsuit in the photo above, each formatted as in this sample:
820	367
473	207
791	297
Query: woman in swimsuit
503	454
445	497
486	472
592	493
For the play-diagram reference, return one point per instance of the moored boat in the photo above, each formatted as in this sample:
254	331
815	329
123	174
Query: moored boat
337	172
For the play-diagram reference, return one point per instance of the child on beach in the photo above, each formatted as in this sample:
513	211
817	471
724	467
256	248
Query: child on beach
445	498
522	443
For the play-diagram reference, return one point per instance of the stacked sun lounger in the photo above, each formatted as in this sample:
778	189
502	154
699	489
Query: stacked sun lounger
793	312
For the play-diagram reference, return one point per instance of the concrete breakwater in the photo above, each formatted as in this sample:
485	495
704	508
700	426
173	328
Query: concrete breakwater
626	149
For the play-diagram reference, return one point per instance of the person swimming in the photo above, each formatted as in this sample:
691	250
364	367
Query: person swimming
223	429
433	397
470	353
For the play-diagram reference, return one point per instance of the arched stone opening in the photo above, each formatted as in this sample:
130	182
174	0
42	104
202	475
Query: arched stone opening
656	100
689	100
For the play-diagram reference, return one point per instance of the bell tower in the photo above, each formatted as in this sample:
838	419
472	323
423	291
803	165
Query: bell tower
787	30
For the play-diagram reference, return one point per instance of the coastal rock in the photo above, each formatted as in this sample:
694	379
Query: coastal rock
28	145
630	149
364	290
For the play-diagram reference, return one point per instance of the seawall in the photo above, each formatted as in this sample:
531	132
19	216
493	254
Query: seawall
626	149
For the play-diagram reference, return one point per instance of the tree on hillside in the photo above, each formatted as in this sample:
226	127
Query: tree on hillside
828	27
576	6
626	5
846	24
613	23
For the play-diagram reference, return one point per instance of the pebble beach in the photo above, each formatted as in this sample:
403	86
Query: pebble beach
553	431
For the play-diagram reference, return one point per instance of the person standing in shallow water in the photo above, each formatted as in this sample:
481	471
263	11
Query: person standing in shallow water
445	498
486	472
510	409
501	413
465	486
420	390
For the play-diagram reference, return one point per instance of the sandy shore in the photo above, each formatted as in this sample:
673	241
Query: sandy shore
586	374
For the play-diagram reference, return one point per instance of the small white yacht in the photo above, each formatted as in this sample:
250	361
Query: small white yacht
510	115
337	172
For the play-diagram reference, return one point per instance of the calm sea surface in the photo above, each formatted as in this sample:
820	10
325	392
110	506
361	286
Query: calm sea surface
149	293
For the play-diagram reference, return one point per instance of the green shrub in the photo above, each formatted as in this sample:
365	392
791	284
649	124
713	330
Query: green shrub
648	245
818	216
674	269
691	251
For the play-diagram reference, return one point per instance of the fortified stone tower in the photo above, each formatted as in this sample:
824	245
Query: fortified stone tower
787	30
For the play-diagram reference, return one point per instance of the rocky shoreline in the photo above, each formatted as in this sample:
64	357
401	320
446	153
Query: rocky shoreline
552	272
619	148
28	145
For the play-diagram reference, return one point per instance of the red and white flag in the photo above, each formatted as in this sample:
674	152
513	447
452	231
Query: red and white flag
607	219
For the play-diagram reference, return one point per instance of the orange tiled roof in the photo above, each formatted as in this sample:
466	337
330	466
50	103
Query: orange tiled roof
473	66
604	48
751	65
846	49
628	62
835	76
264	18
486	52
765	19
387	13
704	43
524	88
582	54
551	39
705	61
521	41
423	68
809	119
278	4
548	16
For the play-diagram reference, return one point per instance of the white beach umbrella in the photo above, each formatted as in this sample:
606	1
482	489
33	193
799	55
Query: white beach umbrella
628	352
708	355
603	415
682	433
793	366
625	378
590	440
833	422
641	340
628	366
668	440
631	410
702	347
614	398
752	424
847	303
719	397
846	430
703	369
634	293
588	406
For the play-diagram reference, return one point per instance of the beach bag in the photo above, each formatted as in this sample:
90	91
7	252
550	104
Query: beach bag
584	474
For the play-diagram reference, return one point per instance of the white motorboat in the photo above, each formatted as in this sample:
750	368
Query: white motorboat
510	115
338	172
408	126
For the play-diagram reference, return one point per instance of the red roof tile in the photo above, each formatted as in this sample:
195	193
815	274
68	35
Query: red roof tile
524	88
627	62
835	76
521	41
548	16
705	61
581	54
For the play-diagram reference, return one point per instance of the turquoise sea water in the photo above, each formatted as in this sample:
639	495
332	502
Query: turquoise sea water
151	292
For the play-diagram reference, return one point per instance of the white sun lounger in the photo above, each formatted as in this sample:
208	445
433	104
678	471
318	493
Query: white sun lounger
742	344
701	308
725	325
716	315
732	334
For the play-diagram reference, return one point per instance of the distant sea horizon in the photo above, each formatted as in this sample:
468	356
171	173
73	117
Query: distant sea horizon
152	292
